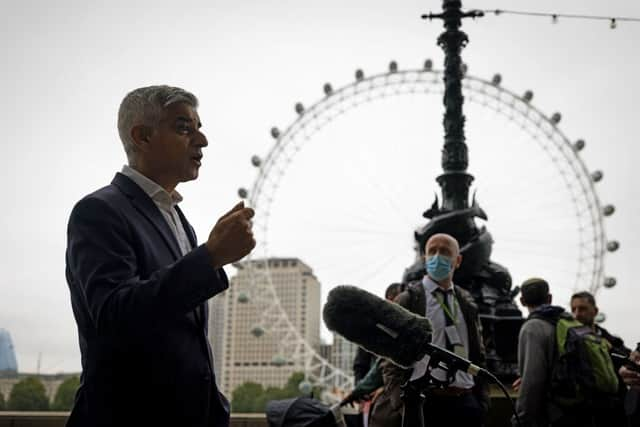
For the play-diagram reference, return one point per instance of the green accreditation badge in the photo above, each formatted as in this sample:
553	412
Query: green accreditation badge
460	351
454	338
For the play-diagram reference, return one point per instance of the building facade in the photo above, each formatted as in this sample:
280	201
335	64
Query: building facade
240	355
343	353
8	362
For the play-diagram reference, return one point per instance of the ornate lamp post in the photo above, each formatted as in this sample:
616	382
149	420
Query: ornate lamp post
488	282
454	181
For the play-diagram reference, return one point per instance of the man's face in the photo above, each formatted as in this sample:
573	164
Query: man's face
175	146
583	311
444	246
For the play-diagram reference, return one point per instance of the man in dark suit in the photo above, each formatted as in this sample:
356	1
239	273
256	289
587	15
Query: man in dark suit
138	281
454	318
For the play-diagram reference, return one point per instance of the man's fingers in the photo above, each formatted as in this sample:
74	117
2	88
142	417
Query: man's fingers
243	214
239	206
248	213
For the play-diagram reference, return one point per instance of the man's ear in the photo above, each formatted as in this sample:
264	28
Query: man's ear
549	298
458	261
141	136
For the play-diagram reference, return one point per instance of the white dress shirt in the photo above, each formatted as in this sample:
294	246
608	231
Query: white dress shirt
436	316
166	204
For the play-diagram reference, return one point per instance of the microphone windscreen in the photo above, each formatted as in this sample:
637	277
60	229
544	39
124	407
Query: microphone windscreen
380	326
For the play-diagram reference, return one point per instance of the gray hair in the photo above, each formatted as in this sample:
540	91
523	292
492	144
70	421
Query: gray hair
144	106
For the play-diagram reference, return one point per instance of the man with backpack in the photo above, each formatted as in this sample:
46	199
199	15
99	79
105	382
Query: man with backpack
585	310
567	376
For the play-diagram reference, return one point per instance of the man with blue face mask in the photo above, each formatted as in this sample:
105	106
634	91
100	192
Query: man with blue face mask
456	327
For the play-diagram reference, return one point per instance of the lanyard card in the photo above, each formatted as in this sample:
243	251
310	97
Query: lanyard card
452	335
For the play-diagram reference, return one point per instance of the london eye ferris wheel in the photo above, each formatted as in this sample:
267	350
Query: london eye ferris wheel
347	205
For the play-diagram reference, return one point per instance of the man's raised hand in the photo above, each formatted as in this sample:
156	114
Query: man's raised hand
231	238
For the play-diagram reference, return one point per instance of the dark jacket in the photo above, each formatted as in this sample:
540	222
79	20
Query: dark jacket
617	344
140	307
362	363
387	408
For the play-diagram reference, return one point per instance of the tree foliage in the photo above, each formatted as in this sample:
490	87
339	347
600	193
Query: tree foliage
245	398
251	397
28	395
66	394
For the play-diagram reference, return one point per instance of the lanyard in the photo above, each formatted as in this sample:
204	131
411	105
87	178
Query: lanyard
446	309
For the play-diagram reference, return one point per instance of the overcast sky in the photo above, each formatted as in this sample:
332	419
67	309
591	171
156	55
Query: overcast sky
351	199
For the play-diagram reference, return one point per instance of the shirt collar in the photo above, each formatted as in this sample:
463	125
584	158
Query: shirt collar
541	307
431	286
153	189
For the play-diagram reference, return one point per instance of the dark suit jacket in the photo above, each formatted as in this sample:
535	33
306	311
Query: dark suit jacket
141	312
387	408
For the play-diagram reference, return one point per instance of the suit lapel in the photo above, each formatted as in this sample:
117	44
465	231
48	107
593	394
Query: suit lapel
201	311
148	208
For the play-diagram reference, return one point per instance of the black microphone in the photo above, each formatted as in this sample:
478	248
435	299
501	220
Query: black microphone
386	329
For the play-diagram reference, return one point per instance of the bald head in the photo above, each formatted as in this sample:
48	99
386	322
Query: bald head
445	241
442	256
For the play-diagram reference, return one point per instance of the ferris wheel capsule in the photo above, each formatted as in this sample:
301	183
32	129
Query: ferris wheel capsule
299	108
579	145
328	90
278	360
243	193
600	317
528	96
555	118
428	65
610	282
275	132
608	210
613	246
496	80
305	387
256	160
597	176
393	66
257	331
359	75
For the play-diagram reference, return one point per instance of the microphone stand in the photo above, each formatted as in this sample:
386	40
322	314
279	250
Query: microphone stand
414	392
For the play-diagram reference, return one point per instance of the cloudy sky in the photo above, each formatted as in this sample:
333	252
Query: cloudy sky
350	200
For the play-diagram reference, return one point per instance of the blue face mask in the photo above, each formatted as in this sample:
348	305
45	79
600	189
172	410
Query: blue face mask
438	267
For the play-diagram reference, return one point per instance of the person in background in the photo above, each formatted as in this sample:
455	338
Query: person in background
631	379
536	349
369	383
585	310
455	325
364	360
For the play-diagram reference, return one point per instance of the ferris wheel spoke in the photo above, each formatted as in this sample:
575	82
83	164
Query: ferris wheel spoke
354	230
559	195
362	215
374	185
536	224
